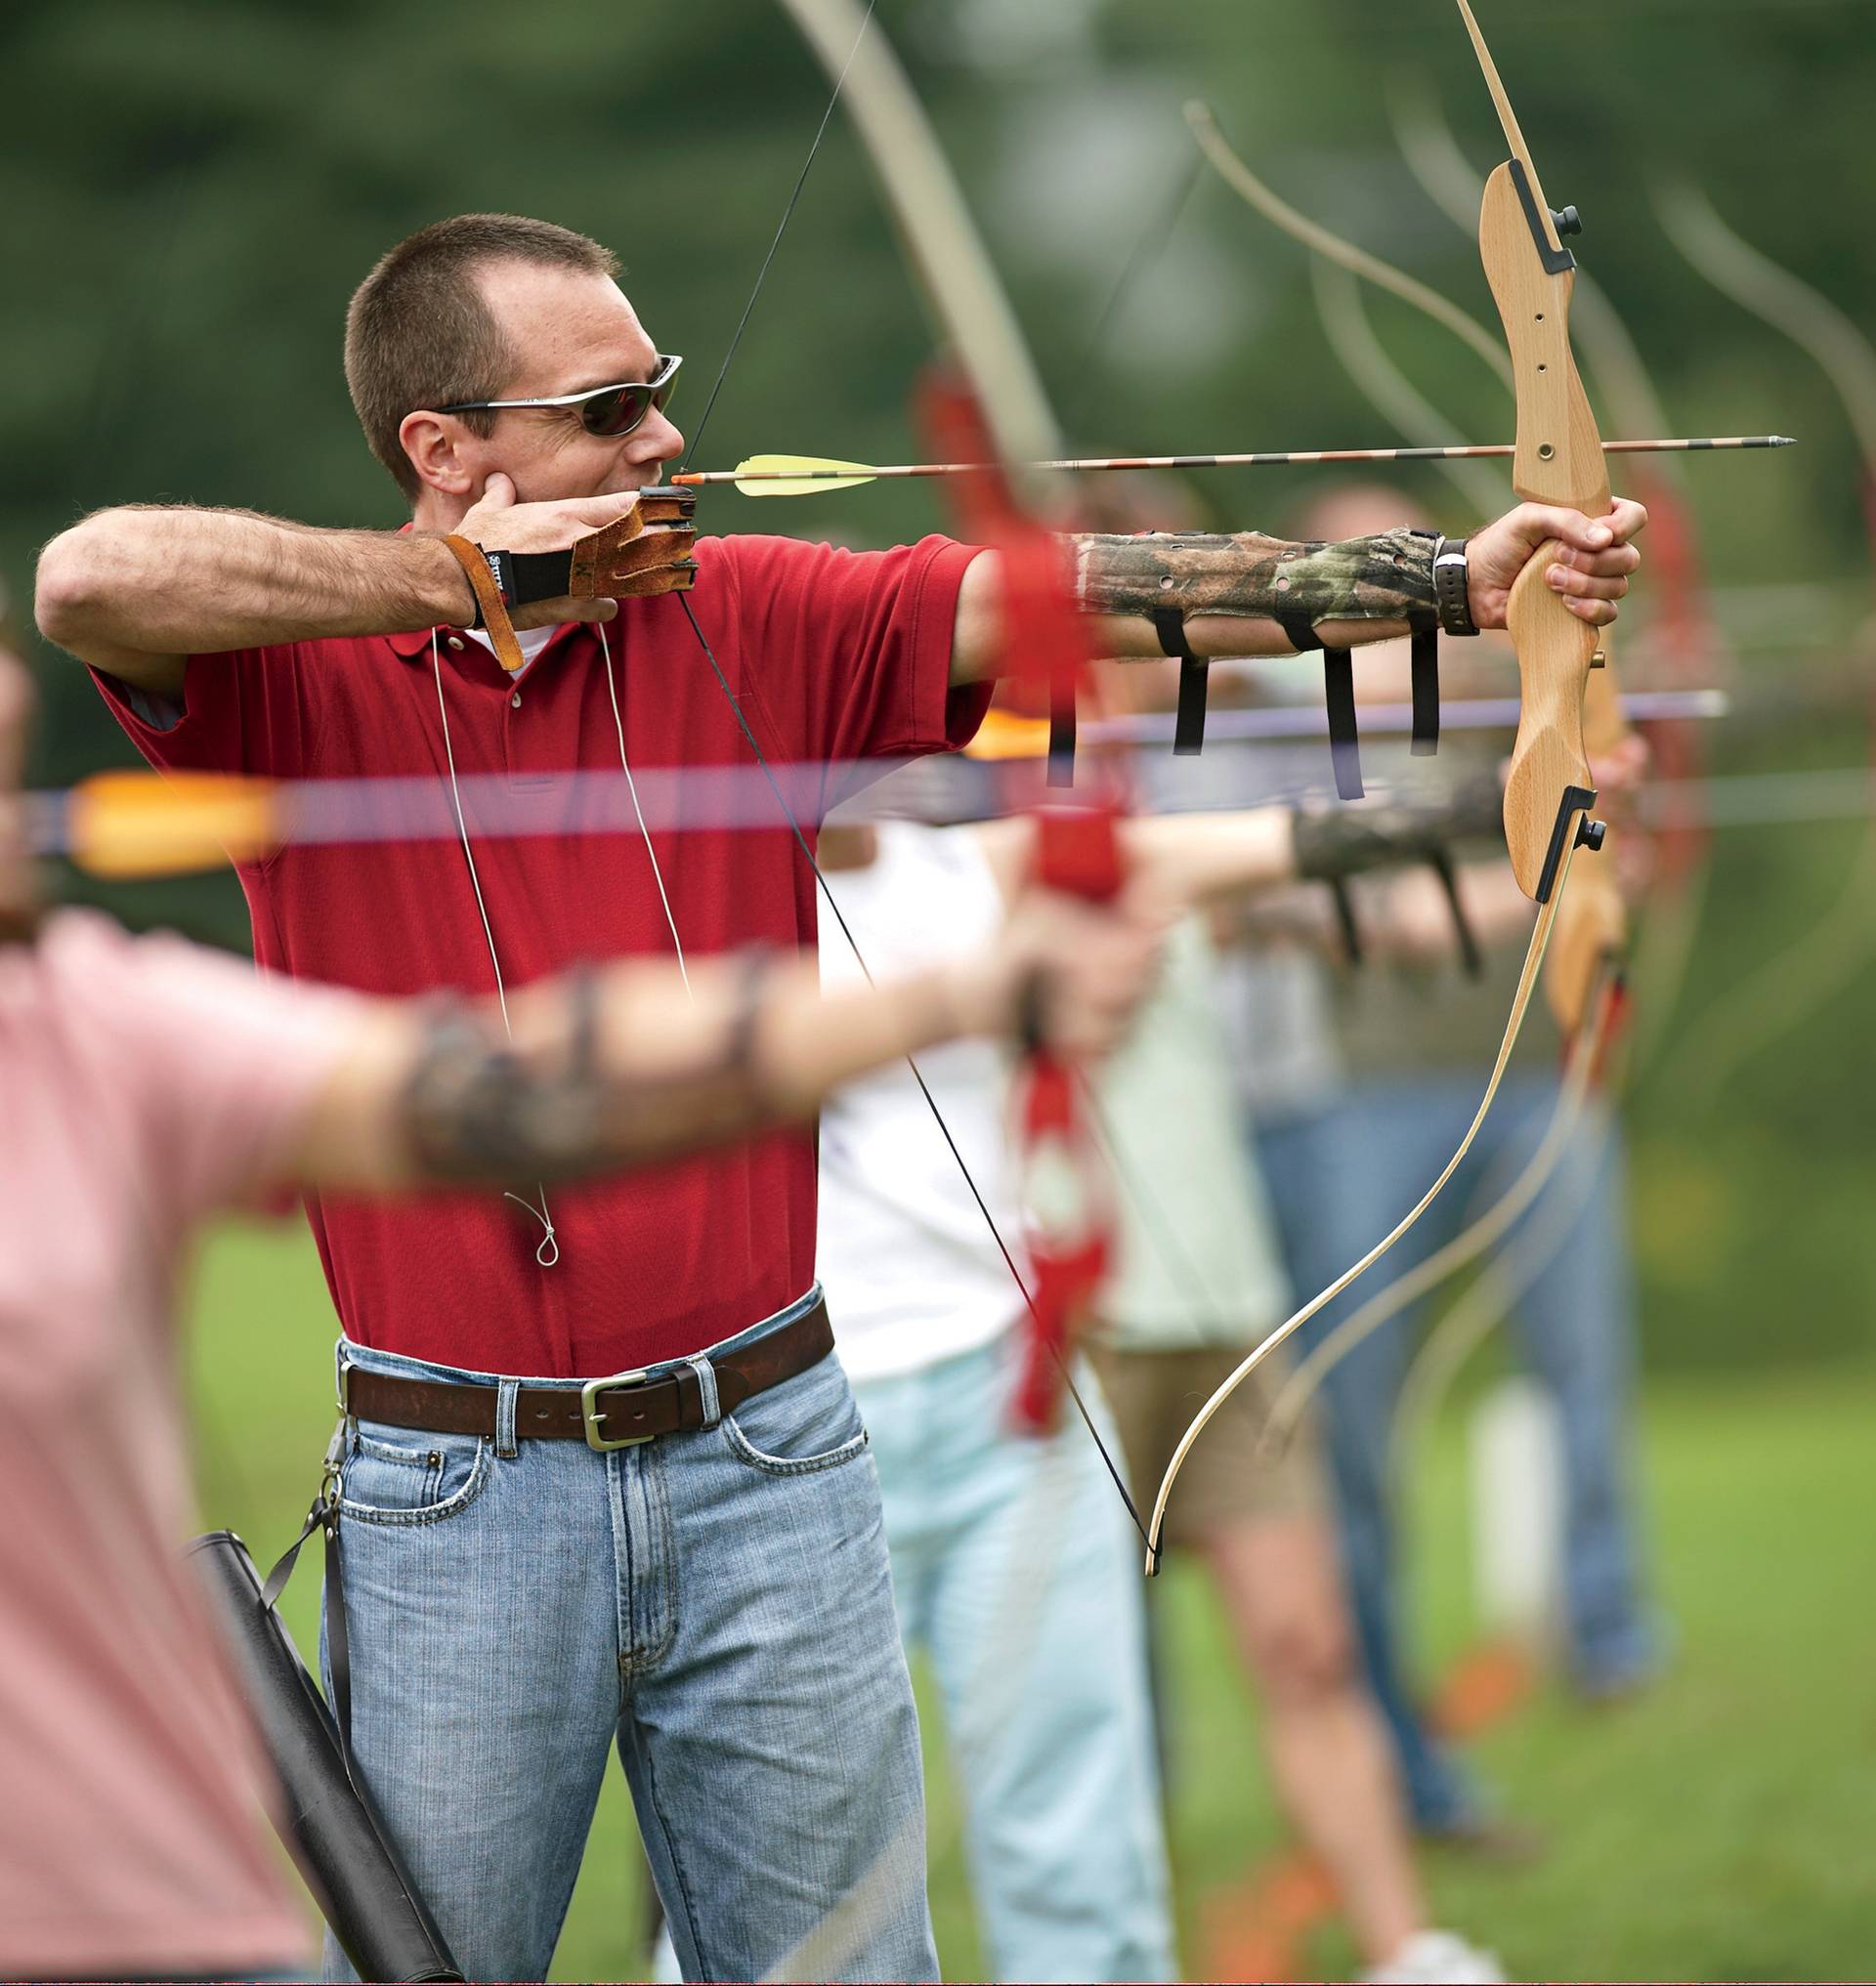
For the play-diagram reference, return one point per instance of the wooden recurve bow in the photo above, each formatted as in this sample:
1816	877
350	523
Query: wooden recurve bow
1549	793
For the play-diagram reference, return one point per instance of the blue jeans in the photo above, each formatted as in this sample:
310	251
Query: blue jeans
718	1604
1016	1570
1337	1180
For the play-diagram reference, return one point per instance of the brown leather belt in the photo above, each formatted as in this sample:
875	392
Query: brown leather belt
618	1411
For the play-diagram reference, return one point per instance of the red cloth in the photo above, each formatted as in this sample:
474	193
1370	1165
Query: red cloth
834	655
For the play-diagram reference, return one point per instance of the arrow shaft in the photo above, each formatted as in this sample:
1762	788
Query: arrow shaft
1258	460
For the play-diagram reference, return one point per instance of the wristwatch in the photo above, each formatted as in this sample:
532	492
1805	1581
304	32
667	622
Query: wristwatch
1452	592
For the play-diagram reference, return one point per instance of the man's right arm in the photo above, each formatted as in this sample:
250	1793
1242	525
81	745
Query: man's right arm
137	591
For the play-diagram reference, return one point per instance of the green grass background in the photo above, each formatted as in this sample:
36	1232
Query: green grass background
1717	1828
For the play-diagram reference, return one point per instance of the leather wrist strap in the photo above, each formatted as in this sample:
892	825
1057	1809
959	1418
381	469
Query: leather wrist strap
491	610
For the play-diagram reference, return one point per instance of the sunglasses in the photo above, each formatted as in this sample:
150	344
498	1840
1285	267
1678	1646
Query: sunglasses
610	410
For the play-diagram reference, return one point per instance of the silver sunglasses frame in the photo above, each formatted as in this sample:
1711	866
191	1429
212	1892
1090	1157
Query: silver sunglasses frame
667	365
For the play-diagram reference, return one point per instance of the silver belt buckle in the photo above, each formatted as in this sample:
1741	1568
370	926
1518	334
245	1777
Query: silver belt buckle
591	1413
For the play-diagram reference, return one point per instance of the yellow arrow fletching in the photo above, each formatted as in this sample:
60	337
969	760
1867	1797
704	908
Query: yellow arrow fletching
799	475
127	825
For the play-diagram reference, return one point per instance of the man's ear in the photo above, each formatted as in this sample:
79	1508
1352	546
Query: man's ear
432	444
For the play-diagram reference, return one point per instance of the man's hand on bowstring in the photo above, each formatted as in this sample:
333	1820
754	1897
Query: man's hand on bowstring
498	524
1591	576
1075	972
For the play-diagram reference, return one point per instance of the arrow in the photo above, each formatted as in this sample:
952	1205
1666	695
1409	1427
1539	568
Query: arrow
812	475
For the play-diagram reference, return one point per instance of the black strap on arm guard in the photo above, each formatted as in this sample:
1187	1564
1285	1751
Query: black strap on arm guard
1425	671
1061	732
1339	696
1188	730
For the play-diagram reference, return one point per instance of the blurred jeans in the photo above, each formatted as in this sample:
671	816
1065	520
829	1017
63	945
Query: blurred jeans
718	1604
1016	1570
1338	1180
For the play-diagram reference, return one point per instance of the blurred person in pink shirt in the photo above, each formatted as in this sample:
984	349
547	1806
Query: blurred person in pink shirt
146	1083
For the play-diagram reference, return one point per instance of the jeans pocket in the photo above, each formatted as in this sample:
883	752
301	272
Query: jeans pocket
806	1424
401	1475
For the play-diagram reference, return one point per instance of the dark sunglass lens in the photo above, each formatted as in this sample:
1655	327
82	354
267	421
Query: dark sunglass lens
616	412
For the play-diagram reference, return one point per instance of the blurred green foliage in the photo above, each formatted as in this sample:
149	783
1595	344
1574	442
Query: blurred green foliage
192	188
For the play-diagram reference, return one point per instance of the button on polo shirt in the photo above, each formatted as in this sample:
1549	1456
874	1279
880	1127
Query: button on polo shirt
834	655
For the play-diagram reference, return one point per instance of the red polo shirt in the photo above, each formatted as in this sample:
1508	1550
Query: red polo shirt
834	655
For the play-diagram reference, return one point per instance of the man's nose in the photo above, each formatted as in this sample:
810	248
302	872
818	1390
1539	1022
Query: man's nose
657	439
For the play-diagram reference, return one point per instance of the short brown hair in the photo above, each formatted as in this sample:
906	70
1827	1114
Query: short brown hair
418	333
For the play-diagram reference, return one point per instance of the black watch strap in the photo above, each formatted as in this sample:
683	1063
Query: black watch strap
1451	590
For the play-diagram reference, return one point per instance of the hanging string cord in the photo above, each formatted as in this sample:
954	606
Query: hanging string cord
631	787
548	1251
1114	1470
1152	243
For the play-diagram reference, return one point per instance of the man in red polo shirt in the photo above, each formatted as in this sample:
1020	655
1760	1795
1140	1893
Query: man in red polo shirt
721	1606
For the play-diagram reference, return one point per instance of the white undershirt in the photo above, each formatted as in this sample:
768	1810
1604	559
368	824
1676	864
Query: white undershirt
532	640
903	1254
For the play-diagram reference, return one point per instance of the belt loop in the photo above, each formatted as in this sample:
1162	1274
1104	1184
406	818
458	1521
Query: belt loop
707	1386
506	1395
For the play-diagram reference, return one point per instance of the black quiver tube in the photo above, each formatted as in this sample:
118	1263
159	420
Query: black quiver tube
329	1826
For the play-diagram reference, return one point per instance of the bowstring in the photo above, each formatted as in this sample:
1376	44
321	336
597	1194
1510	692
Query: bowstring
787	215
1113	1471
918	1076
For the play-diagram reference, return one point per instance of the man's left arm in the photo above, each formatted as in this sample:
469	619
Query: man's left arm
1236	591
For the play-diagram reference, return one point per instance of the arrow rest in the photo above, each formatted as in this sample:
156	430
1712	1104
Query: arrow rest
1573	808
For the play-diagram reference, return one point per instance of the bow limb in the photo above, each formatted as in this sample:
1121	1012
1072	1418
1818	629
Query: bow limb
961	287
999	416
1363	358
1491	1297
1357	261
1806	973
1354	1331
1520	1000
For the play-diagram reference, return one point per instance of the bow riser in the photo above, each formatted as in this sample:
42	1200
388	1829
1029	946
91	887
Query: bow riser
1560	461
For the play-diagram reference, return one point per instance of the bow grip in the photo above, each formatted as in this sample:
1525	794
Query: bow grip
1548	760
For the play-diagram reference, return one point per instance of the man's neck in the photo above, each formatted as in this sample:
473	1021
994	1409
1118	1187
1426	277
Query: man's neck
435	512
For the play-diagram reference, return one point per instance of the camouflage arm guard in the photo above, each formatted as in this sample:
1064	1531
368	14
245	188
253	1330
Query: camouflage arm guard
1332	842
1388	577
